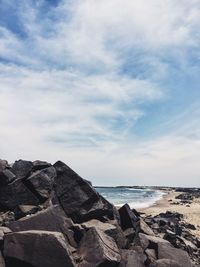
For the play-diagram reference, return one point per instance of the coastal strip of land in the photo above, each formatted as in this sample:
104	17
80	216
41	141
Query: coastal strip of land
188	205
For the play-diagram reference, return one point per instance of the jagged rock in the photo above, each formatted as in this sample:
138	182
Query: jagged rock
78	198
3	164
151	254
22	168
97	249
14	194
110	229
128	218
144	228
41	182
39	165
2	262
165	263
147	241
166	251
129	234
5	230
131	258
51	219
6	176
39	248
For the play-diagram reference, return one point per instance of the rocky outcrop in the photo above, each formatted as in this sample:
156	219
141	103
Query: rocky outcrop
50	216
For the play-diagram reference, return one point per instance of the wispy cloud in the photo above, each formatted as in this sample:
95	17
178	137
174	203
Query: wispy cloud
101	81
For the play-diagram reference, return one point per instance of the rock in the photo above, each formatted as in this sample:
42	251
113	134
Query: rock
129	234
41	182
151	254
22	168
78	198
52	219
150	241
23	210
144	228
39	165
6	176
5	230
128	218
14	194
3	164
110	229
131	258
166	251
2	262
38	248
164	263
97	249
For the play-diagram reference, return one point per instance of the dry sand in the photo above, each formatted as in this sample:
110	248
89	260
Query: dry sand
191	213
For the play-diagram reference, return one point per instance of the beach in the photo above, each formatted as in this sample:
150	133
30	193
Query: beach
190	211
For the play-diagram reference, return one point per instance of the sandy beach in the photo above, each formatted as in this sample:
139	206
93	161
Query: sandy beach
191	212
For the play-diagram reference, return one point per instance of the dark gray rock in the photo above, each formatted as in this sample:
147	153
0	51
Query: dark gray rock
41	182
14	194
166	251
39	165
2	262
39	248
78	198
128	218
22	168
131	258
6	177
97	249
51	219
111	229
165	263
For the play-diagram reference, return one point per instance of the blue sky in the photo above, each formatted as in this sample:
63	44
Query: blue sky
109	87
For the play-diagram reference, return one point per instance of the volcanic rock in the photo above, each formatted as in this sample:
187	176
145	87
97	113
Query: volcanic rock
97	249
39	248
78	198
14	194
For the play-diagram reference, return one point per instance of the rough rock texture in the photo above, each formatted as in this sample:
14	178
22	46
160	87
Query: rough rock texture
98	249
39	248
78	198
50	216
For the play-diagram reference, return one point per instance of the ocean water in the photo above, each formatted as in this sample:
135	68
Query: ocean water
136	198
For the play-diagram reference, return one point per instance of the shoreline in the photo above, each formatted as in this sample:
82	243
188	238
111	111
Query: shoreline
190	211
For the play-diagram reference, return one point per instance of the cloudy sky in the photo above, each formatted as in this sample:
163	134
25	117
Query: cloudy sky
111	87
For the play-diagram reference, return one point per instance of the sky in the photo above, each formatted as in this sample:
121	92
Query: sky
112	88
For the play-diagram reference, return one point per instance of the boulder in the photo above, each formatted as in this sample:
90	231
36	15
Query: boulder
97	249
147	241
166	251
3	164
41	182
6	177
22	168
52	219
128	218
111	229
39	248
165	263
39	165
2	262
14	194
144	228
131	258
78	198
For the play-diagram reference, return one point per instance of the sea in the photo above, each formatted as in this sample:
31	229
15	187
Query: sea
136	198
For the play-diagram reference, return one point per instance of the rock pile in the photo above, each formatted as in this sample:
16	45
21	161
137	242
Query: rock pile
50	216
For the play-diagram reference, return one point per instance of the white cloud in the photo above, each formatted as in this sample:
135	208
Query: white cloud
65	92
